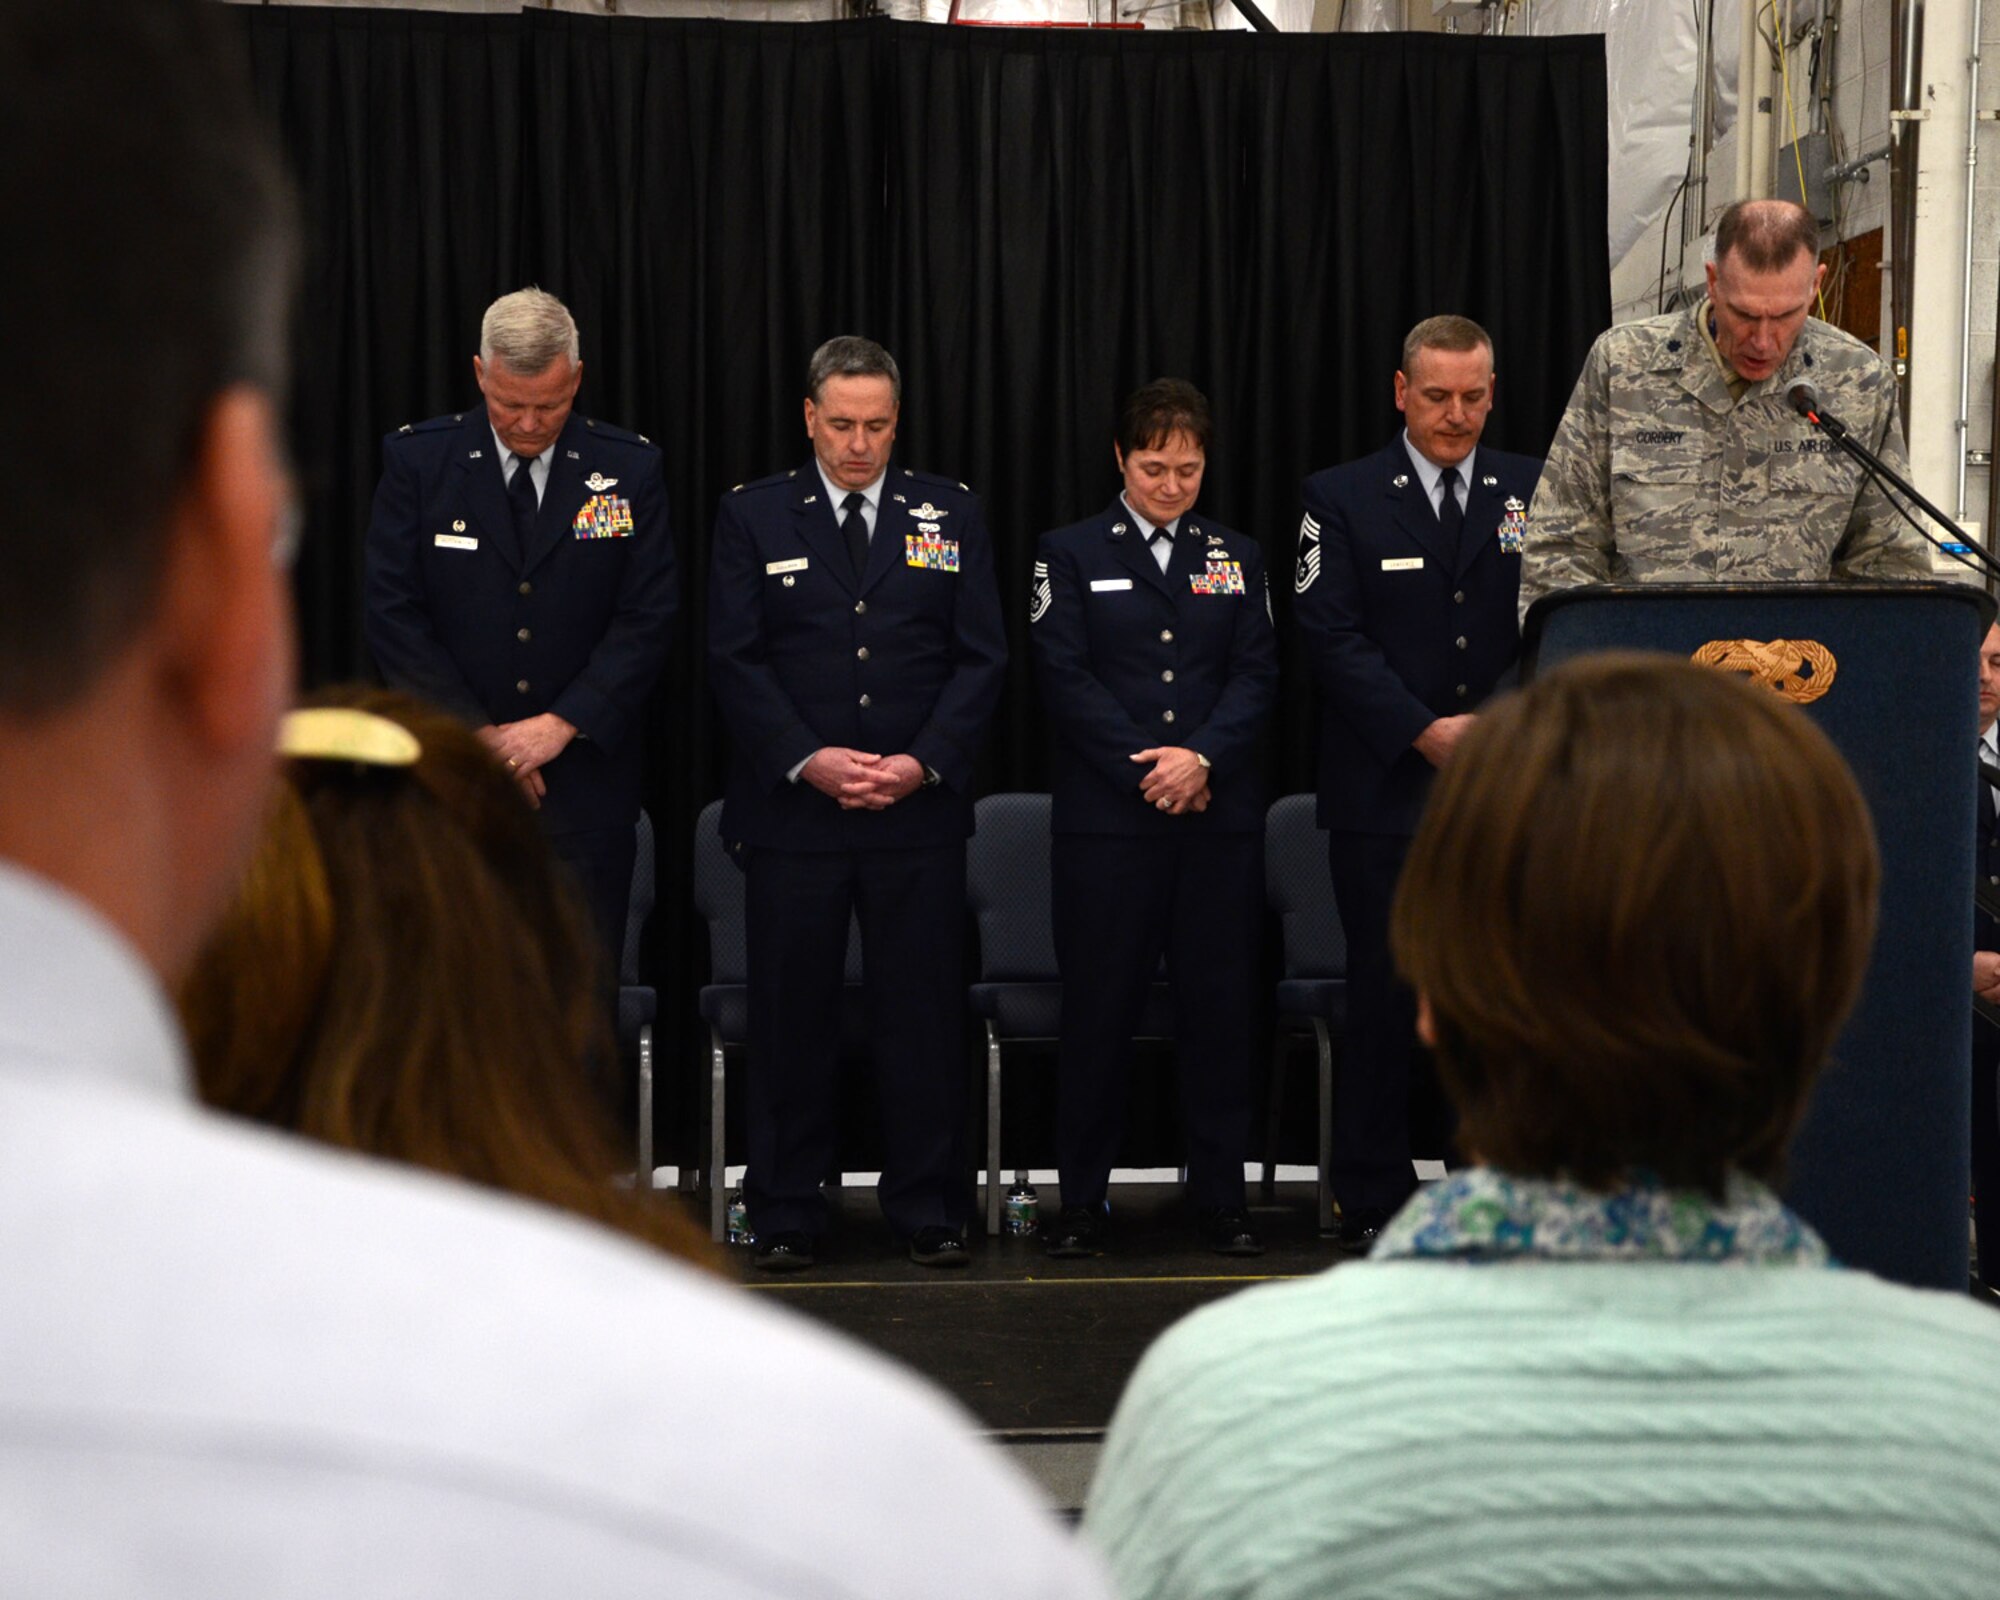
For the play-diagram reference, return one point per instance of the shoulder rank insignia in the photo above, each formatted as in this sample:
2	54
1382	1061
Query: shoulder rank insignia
1040	594
597	483
1308	567
405	428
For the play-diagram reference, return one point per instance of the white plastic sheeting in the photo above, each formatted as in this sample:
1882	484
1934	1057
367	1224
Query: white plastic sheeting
1651	54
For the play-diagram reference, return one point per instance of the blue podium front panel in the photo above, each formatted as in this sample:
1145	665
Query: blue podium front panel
1880	1166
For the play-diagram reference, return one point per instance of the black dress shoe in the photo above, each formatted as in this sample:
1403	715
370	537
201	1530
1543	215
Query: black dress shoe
1359	1226
1078	1234
790	1251
939	1247
1228	1232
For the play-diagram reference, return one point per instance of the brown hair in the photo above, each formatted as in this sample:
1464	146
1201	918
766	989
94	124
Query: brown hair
1766	235
1154	412
404	972
1443	333
1639	906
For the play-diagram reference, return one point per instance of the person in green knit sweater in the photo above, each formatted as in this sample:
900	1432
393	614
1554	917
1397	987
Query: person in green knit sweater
1604	1359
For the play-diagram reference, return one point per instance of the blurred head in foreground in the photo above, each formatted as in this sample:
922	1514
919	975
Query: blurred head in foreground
403	972
1636	914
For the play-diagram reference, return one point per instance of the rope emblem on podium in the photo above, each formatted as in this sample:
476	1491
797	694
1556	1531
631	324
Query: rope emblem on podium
1799	669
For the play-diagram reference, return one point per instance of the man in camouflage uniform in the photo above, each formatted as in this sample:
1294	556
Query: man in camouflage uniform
1681	460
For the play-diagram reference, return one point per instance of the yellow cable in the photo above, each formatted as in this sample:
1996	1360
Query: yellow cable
1791	121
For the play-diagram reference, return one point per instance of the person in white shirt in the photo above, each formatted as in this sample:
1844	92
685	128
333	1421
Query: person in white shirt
233	1363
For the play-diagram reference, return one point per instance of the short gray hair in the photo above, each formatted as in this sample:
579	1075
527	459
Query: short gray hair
850	356
526	330
1457	334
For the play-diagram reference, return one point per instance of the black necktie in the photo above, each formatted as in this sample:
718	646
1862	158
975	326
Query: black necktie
521	495
1986	810
1451	515
855	527
1157	535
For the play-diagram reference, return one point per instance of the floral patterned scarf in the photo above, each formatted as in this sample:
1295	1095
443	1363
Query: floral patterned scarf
1480	1214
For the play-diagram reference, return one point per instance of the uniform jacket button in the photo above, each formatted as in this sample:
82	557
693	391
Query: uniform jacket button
1166	636
1167	676
527	587
865	700
522	686
1459	597
1166	716
523	635
861	608
861	654
1460	641
1461	691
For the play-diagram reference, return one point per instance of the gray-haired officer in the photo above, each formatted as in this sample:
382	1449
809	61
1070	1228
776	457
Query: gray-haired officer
520	573
1151	629
1681	459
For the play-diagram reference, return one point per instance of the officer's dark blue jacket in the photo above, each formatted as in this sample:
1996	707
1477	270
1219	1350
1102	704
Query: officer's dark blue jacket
457	613
1130	659
1399	630
906	660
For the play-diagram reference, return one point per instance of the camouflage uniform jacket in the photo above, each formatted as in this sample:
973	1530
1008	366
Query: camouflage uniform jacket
1657	475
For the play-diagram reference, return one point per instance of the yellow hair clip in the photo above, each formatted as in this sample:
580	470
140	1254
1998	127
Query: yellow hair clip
339	733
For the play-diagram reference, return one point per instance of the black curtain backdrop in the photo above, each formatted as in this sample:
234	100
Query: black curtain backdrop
1033	221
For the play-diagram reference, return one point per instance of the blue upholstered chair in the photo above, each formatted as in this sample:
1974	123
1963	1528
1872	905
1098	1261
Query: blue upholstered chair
1312	993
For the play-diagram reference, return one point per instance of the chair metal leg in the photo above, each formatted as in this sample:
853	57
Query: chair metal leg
646	1106
718	1199
1274	1100
1324	1040
992	1130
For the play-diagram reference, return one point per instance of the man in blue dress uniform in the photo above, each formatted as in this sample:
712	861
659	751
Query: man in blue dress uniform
520	573
1158	666
857	653
1409	564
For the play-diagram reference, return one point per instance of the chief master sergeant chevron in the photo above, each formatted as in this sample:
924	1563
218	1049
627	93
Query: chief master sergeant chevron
520	573
856	650
1680	458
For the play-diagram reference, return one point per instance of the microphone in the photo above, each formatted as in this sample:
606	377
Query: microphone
1805	401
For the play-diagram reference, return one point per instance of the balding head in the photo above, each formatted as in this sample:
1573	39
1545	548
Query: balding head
1766	235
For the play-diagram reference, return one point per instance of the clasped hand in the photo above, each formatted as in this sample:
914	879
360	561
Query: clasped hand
1178	782
525	747
860	781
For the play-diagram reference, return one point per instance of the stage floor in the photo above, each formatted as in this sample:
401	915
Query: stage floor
1039	1350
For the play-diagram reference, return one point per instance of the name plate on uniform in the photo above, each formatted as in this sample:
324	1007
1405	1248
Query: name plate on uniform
1404	564
1222	577
1106	585
456	541
773	568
